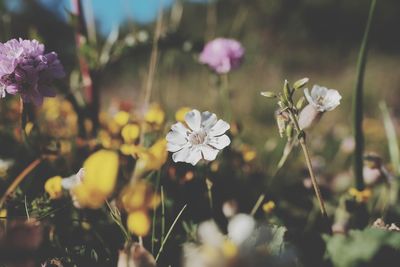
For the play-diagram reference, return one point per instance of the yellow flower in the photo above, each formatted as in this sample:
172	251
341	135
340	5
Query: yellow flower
121	118
139	196
269	206
3	213
155	115
138	223
104	138
180	114
101	170
248	153
28	128
130	132
152	158
53	187
360	196
229	249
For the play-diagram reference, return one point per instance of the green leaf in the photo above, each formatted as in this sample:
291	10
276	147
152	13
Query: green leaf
359	247
276	245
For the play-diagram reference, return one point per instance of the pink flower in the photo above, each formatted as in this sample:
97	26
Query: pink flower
26	70
222	55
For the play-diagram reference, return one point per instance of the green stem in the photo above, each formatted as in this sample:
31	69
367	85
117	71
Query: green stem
153	231
358	103
302	140
225	97
169	232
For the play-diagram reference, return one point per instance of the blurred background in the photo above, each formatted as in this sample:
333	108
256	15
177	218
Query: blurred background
284	39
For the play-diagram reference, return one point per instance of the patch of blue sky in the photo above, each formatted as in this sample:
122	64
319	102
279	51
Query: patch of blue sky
108	13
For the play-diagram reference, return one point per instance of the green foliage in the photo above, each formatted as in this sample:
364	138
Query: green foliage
359	246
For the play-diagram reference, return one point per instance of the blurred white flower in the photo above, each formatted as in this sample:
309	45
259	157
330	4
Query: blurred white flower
5	164
210	234
202	137
322	98
73	180
240	228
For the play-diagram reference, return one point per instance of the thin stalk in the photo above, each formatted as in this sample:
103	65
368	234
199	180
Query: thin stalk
19	179
313	178
153	58
169	231
358	103
162	215
26	209
211	20
302	141
225	97
152	69
257	205
116	216
209	193
153	231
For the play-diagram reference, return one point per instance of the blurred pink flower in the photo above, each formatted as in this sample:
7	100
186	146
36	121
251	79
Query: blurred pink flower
26	70
222	55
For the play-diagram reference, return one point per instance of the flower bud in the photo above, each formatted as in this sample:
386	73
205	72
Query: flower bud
268	94
300	83
308	117
286	90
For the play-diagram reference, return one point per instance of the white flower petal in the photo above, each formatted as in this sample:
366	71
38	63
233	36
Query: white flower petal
194	156
209	234
193	119
180	128
219	128
240	228
181	155
208	119
173	148
176	138
208	152
219	142
308	96
318	91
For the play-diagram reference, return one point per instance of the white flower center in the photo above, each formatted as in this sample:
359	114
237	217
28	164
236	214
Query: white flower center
320	100
197	137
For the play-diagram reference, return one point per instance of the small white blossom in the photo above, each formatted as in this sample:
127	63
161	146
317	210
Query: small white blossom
202	137
73	180
322	98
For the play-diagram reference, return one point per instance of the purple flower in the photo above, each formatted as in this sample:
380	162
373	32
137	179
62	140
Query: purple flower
26	70
222	55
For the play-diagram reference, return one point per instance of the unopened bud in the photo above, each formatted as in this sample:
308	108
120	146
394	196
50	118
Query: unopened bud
301	103
268	94
286	90
300	83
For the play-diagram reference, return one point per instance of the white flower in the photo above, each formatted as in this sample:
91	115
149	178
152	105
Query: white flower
73	180
240	228
202	137
322	98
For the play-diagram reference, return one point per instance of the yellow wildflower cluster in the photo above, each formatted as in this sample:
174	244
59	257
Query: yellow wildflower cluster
268	207
101	171
58	118
137	199
53	187
360	196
